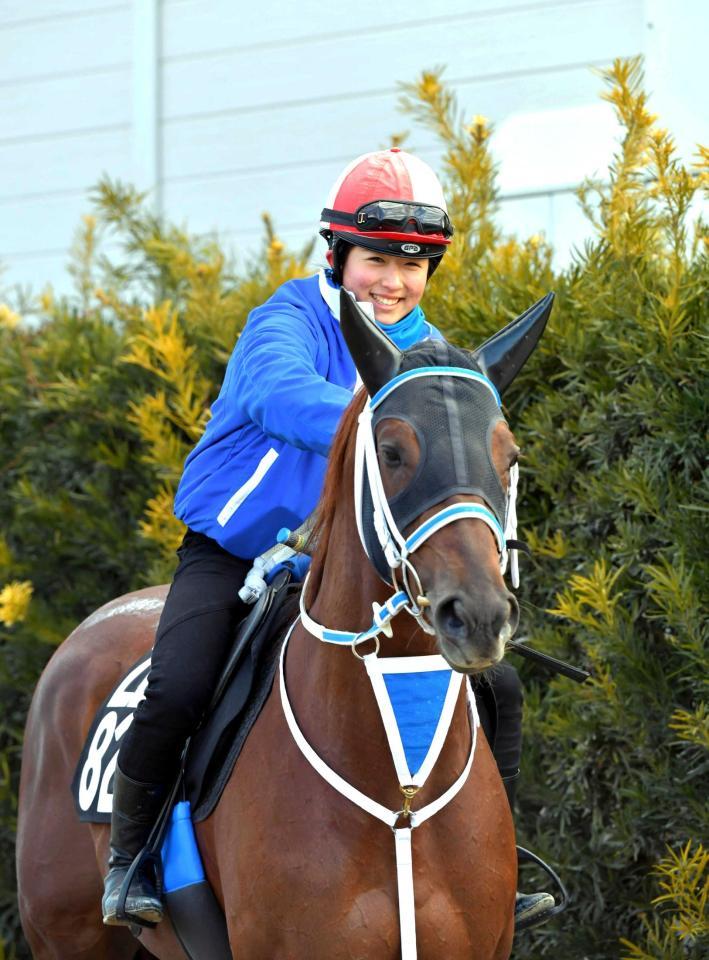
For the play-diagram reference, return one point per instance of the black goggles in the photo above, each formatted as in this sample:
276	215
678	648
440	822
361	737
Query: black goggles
394	215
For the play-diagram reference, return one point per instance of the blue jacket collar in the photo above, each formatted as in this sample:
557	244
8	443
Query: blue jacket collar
405	332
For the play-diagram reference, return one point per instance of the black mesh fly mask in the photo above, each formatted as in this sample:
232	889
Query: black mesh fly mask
453	408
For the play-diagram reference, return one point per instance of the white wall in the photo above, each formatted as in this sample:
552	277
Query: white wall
65	117
227	108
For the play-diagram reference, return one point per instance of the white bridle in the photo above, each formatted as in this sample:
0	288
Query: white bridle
396	547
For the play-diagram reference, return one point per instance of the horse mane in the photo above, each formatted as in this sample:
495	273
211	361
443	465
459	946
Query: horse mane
340	467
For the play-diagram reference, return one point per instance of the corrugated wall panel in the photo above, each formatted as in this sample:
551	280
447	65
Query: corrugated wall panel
43	223
235	202
35	272
14	12
193	27
251	125
65	45
58	164
327	68
262	104
40	109
65	104
241	141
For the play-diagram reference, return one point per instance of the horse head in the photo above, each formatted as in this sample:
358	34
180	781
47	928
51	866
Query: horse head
433	448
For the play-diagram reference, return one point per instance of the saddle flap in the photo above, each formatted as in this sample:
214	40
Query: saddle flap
241	694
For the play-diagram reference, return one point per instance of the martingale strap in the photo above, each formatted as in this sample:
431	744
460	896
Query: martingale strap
378	671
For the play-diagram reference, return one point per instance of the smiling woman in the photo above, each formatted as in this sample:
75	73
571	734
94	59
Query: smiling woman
394	285
390	202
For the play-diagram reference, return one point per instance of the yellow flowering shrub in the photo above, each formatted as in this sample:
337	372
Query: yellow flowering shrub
14	602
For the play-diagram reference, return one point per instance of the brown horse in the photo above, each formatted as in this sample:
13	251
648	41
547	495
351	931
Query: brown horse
301	872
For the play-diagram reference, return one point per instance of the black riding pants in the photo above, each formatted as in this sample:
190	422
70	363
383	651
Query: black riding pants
507	747
194	637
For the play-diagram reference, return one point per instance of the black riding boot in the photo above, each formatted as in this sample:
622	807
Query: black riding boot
530	908
135	810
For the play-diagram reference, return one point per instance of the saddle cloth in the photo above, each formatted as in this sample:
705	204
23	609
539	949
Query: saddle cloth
215	747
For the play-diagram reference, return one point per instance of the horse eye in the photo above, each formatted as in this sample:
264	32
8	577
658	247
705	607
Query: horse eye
390	455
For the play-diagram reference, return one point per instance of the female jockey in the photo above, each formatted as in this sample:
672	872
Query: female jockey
260	466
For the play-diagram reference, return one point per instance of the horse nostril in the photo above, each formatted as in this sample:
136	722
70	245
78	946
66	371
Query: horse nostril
505	617
514	612
451	618
500	617
462	619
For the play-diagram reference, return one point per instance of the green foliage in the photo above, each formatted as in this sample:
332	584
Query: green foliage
684	878
611	412
103	395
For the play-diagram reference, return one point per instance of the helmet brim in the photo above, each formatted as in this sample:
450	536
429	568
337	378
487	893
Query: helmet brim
406	245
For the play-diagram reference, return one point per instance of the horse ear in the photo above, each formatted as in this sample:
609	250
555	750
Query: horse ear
376	357
506	352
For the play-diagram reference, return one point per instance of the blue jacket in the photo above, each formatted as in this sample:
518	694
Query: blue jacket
261	462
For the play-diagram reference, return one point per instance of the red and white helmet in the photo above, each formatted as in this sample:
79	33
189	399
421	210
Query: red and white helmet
388	201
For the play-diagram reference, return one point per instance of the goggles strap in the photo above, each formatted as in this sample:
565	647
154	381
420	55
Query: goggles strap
396	215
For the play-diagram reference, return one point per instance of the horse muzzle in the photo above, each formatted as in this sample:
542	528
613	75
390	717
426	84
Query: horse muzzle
472	633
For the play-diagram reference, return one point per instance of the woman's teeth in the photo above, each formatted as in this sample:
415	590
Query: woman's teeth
386	301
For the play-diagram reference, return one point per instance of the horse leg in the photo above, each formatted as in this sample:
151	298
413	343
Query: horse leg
59	867
59	883
58	880
62	918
